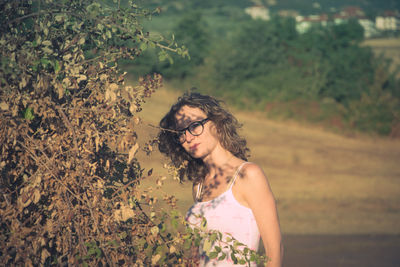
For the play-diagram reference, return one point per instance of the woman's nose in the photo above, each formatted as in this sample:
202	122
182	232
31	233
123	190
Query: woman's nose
189	137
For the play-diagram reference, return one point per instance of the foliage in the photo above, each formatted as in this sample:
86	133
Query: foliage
377	111
190	31
325	65
255	64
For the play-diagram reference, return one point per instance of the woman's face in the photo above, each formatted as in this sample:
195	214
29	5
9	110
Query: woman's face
198	146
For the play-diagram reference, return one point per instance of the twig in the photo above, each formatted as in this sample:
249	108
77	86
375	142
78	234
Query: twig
50	170
68	123
149	220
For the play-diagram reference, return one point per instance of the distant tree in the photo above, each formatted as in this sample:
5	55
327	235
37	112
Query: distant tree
193	33
256	49
348	33
351	67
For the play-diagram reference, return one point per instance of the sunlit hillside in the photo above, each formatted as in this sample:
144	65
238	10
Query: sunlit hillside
323	182
388	48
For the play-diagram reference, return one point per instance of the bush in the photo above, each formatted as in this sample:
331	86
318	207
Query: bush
69	186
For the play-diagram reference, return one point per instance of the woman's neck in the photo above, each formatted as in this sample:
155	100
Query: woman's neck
218	159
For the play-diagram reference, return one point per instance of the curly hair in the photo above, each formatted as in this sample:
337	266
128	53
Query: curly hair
226	125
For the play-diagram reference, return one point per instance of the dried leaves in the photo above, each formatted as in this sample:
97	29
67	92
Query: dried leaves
70	181
68	170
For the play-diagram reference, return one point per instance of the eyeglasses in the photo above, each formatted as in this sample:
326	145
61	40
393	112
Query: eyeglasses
195	128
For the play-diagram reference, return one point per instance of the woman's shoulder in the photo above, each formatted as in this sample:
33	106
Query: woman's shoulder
251	169
252	175
252	185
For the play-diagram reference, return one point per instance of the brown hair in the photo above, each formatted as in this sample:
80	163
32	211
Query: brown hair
226	125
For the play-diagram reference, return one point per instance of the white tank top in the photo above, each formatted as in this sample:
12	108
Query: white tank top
225	214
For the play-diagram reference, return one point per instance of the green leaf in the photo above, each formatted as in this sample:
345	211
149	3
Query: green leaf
223	256
233	257
207	245
98	252
143	46
174	223
57	66
152	45
162	55
28	114
45	62
59	18
123	235
203	225
82	40
213	237
154	230
187	244
213	255
242	261
46	43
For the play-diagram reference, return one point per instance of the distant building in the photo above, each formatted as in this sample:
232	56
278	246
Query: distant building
388	21
288	13
352	12
369	28
258	12
303	24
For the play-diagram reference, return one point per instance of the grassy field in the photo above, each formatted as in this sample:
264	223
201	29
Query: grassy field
324	183
387	47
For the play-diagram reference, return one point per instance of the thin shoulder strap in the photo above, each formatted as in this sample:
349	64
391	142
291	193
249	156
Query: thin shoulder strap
199	188
237	174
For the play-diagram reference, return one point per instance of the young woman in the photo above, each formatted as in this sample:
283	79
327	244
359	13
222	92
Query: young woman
232	194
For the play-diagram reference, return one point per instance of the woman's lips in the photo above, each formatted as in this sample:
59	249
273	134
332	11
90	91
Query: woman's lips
193	147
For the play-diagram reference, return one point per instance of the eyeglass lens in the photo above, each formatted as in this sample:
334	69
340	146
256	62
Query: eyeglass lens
196	128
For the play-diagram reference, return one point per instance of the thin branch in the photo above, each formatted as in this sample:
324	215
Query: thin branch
33	15
68	123
50	170
149	220
39	10
161	128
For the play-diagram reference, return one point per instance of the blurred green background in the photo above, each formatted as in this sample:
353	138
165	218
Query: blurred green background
332	73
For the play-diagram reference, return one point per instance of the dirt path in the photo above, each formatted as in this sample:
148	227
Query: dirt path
342	250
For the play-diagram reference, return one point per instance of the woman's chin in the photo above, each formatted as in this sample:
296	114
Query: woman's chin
196	154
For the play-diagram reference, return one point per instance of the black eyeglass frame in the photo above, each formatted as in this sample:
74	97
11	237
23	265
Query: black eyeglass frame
182	132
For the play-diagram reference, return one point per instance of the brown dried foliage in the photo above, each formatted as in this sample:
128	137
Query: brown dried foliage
69	176
65	178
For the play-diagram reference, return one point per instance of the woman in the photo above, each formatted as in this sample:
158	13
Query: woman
233	195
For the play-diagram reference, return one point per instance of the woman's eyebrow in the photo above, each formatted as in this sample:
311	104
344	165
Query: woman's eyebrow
183	128
186	122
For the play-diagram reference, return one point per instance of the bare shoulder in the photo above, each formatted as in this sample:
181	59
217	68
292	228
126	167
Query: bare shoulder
253	186
251	172
253	179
